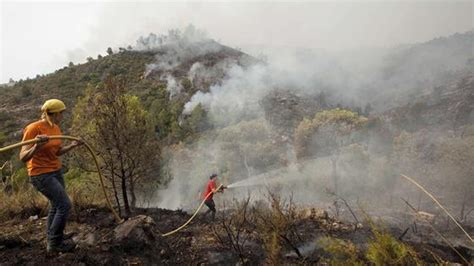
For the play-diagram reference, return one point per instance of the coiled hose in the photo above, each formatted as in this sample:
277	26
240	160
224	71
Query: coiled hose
96	161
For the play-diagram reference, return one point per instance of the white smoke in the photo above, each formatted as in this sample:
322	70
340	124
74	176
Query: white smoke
175	48
238	95
383	78
173	86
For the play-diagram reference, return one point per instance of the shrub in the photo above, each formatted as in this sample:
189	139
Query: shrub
384	249
84	190
276	227
342	252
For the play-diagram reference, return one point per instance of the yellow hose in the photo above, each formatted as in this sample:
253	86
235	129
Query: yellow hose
438	203
32	141
192	217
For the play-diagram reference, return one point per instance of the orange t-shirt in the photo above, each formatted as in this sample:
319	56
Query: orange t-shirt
45	159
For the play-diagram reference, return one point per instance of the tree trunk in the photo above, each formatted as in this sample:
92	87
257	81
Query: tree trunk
125	197
114	187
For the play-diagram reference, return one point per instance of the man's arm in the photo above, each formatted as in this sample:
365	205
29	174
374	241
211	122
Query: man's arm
220	189
69	147
27	151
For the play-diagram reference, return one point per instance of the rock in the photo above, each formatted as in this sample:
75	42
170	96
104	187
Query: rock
324	223
306	213
425	217
314	213
89	239
321	214
135	232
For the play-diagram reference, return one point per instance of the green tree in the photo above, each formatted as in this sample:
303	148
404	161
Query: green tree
197	121
248	146
117	125
326	134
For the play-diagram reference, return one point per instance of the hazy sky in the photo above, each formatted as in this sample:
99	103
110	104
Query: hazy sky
40	37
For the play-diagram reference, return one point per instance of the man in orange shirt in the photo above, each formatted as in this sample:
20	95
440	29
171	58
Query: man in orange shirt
44	169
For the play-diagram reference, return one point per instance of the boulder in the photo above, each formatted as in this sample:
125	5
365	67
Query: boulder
314	213
136	232
86	239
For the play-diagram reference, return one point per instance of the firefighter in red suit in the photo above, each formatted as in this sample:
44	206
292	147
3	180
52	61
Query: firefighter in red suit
211	188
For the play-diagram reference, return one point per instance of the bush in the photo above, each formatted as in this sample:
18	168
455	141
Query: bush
276	227
384	249
342	252
84	190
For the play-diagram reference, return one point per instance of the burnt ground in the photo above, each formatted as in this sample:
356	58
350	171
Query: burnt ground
22	241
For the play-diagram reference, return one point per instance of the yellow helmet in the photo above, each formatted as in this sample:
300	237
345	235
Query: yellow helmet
53	106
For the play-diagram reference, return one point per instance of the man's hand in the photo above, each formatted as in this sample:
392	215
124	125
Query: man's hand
76	143
28	151
72	145
42	139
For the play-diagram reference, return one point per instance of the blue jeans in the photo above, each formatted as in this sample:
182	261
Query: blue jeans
51	185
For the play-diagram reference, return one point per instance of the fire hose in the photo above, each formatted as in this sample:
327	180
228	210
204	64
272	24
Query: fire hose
195	213
96	161
101	178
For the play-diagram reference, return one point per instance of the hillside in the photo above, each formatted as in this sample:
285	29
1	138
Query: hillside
307	162
21	102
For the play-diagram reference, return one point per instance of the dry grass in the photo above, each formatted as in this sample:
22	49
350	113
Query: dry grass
22	204
23	200
85	193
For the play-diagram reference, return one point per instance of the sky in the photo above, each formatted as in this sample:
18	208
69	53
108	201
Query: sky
39	37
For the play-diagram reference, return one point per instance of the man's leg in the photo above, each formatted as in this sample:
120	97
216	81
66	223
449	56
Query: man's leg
51	214
51	186
212	207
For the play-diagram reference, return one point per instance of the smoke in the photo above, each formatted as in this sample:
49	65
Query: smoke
172	86
252	155
236	97
176	48
383	78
